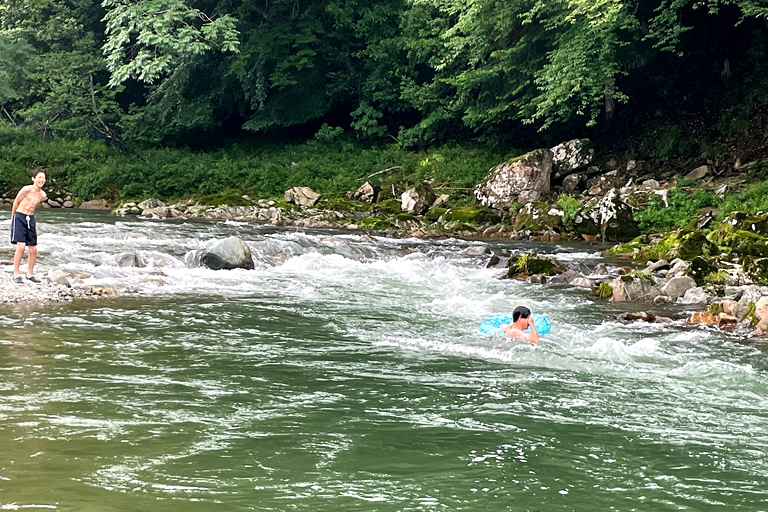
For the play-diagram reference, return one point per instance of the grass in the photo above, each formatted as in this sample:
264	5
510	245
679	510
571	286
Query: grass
262	170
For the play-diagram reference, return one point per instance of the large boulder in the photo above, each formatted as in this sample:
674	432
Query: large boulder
367	193
570	156
614	218
522	179
226	254
627	288
418	199
94	204
301	196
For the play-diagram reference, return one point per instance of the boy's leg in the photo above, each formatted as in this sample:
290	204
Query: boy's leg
17	257
31	257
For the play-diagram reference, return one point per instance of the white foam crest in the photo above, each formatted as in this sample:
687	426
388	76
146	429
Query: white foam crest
712	369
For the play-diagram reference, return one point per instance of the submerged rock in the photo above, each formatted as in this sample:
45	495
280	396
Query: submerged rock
226	254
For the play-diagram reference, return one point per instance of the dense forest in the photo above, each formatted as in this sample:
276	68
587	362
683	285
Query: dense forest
674	80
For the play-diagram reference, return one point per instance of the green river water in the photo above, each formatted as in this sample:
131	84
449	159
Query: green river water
348	374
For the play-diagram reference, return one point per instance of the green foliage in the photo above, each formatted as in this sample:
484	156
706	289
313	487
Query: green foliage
602	291
718	277
147	39
753	199
570	205
683	207
328	133
93	170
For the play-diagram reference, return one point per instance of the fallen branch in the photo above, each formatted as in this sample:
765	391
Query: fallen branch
380	172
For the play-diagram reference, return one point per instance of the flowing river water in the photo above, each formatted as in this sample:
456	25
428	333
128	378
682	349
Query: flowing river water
346	373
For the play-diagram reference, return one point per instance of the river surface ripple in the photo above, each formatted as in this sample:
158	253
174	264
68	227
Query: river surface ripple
345	373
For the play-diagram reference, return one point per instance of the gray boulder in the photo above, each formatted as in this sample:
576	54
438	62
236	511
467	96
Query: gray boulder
418	199
571	156
678	286
522	179
302	196
227	254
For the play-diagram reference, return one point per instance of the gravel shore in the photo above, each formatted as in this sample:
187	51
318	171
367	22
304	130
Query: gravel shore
29	292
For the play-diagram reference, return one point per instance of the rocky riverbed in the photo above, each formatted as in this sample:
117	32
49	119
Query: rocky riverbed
43	292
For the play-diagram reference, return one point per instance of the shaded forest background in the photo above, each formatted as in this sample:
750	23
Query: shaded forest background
169	97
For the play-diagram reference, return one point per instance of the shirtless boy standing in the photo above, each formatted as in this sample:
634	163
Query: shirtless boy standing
23	232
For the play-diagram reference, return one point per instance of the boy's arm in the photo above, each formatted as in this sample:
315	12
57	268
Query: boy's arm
19	197
533	336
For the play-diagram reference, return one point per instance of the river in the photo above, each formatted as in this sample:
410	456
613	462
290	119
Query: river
346	373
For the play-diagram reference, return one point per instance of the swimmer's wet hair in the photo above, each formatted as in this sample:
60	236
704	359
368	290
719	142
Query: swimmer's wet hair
520	311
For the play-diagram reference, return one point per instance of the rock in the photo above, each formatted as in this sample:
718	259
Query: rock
678	286
693	296
698	173
571	156
638	316
367	193
151	203
653	266
614	218
477	250
582	282
301	196
522	179
418	199
441	200
129	259
59	277
229	253
527	264
571	183
720	320
626	289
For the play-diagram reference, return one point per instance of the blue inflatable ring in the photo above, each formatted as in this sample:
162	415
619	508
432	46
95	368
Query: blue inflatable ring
492	324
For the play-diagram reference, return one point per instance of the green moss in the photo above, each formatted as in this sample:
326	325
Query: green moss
472	215
345	205
603	291
718	277
434	214
404	217
226	198
532	264
376	224
388	207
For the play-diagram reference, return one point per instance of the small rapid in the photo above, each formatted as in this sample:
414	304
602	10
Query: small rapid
347	371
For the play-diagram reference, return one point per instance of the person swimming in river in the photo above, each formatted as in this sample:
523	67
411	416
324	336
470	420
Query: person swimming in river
522	319
23	229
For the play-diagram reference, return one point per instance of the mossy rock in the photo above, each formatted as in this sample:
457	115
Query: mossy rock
346	205
701	267
388	207
602	291
404	217
472	215
434	214
528	264
455	227
229	199
538	217
584	225
376	224
632	247
389	192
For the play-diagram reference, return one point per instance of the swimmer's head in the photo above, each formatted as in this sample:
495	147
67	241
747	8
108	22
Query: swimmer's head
520	312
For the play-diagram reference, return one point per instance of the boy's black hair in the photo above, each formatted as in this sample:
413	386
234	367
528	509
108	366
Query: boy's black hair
520	311
37	171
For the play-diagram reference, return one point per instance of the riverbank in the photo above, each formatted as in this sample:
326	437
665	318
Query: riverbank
43	292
